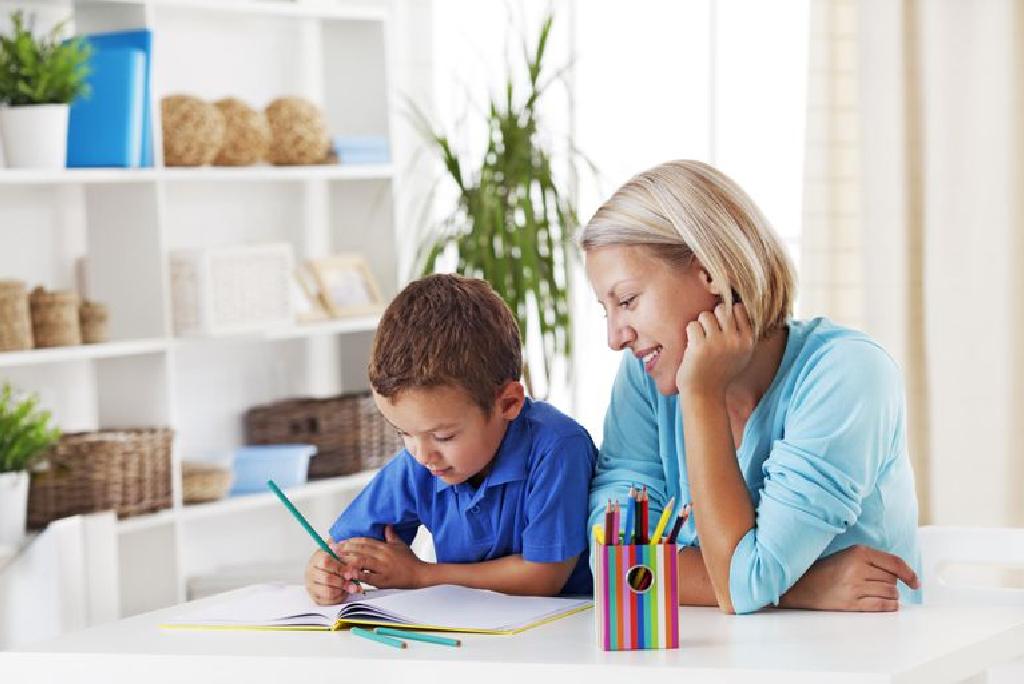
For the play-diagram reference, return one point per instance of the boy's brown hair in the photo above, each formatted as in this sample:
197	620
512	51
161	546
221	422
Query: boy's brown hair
446	330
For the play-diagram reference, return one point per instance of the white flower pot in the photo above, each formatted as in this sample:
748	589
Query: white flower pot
35	136
13	507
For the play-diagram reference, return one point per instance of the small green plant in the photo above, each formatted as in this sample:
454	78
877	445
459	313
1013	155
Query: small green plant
25	432
44	70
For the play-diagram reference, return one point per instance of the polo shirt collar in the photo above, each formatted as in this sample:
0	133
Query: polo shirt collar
509	464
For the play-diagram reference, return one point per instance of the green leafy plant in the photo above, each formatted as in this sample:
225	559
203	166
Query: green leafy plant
44	70
25	432
513	224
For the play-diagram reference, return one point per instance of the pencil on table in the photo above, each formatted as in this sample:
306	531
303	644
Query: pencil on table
417	636
379	638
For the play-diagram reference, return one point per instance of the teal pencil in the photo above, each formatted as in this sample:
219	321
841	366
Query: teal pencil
379	638
417	636
302	520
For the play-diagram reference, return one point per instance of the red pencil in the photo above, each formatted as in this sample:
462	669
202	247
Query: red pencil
608	523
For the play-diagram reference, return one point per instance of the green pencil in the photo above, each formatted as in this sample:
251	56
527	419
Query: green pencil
379	638
417	636
302	520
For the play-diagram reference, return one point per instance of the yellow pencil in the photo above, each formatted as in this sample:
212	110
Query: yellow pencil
599	534
663	521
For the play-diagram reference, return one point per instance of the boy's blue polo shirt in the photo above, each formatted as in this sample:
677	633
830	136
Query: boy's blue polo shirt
533	501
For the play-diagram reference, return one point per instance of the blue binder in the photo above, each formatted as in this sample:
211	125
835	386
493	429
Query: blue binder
105	129
142	40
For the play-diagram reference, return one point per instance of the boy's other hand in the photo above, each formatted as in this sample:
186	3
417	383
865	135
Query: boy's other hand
391	563
325	578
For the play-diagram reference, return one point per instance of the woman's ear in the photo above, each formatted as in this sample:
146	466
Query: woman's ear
709	284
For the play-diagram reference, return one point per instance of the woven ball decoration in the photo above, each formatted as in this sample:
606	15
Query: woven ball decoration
246	134
193	130
298	132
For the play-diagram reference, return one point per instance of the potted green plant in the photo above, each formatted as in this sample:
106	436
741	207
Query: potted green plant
25	433
39	78
513	222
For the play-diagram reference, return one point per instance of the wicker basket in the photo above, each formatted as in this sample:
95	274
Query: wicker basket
54	318
128	471
15	322
348	431
203	482
92	317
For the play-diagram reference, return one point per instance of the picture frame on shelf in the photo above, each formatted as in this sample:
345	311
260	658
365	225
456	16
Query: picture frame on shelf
346	286
309	305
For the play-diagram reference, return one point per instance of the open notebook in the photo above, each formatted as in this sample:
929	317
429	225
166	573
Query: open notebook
445	608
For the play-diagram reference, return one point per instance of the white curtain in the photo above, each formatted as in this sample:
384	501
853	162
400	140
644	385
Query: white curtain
914	227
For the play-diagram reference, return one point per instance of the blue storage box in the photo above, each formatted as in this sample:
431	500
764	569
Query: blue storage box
361	149
285	464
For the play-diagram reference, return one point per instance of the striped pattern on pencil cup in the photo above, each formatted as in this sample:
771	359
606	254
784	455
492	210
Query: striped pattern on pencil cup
637	595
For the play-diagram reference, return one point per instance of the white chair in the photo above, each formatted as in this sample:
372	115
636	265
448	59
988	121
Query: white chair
944	547
64	580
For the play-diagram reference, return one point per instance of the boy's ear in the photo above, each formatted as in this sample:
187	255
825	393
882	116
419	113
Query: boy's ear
511	397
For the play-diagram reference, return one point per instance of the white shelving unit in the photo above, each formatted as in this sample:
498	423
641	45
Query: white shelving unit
125	222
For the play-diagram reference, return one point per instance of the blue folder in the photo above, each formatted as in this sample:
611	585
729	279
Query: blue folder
105	128
142	40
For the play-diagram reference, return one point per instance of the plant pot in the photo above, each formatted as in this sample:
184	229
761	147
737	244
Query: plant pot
35	136
13	507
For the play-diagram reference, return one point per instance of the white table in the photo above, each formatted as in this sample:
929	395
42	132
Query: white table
917	644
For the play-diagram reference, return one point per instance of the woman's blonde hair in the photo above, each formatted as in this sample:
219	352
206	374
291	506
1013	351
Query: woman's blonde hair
684	209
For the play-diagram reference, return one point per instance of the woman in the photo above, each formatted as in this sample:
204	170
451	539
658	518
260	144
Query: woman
788	437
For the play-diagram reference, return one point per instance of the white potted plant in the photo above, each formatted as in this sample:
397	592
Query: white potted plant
25	433
39	78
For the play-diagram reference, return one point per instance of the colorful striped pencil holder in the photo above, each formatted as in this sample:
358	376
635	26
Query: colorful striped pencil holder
637	595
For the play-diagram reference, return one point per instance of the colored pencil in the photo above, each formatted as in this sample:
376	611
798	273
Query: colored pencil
663	521
417	636
608	539
598	534
302	520
379	638
637	534
684	513
627	522
645	528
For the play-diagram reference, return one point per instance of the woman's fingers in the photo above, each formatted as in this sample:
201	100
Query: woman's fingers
875	589
894	565
709	323
726	321
694	333
872	604
739	313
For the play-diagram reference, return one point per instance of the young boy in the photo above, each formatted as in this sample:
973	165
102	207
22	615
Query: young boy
500	481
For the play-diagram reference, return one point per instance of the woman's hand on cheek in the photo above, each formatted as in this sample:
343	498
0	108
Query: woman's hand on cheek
719	345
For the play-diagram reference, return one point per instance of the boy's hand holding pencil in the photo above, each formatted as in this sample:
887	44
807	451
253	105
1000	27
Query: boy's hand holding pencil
391	564
325	578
